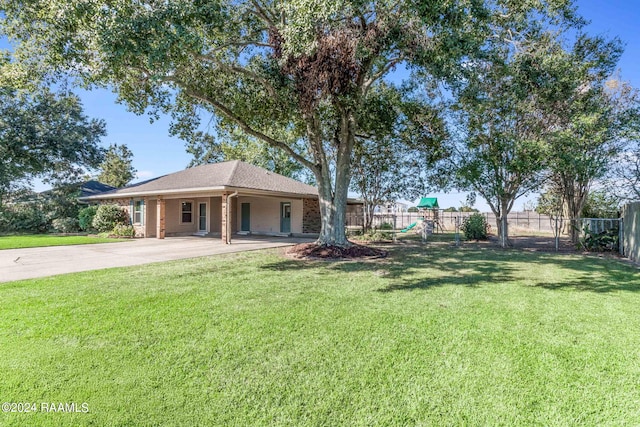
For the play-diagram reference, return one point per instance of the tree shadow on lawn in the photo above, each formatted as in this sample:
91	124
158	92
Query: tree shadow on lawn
486	266
595	274
421	267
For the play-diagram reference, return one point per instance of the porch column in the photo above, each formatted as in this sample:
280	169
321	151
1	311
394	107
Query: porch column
226	219
160	210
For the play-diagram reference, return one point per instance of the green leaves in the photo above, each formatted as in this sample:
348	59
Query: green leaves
47	136
117	169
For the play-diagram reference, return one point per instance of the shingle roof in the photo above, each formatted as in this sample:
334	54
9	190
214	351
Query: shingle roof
91	188
232	174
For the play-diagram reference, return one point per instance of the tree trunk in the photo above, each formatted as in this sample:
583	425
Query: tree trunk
575	193
333	201
502	222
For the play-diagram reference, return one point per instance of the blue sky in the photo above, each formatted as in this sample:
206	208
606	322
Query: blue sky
156	153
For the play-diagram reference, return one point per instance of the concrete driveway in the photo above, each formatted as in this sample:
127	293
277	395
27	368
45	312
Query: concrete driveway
29	263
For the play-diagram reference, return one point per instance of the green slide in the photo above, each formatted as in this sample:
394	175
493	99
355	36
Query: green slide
404	230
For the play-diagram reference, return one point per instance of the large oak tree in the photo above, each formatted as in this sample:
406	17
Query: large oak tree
294	74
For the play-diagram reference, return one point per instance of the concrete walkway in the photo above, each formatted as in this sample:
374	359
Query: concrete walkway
29	263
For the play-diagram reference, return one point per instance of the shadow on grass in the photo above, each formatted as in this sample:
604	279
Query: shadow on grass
420	267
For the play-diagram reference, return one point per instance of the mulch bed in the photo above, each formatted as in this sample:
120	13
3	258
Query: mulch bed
353	252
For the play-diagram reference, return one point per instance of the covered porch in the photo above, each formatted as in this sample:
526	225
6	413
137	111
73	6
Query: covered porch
224	214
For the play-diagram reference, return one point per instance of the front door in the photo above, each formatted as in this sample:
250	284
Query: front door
245	217
202	217
285	217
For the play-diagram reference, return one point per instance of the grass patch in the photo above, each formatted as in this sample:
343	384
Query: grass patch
433	335
42	240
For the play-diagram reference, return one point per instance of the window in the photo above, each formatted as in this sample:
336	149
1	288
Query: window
137	212
186	212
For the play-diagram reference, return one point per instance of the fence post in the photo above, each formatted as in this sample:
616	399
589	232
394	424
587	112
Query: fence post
621	236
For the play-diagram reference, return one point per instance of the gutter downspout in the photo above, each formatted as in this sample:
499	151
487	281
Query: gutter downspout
229	216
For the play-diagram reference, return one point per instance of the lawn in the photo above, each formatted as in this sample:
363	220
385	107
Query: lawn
434	335
41	240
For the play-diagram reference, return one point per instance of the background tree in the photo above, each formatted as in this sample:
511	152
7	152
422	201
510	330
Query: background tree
601	204
117	167
295	75
623	177
47	136
399	137
500	151
591	116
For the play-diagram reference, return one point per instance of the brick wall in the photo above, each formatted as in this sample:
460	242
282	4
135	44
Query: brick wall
311	216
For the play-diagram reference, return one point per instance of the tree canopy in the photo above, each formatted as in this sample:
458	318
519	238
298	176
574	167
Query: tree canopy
117	167
45	135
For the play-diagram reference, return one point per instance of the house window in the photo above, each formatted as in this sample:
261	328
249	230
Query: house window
186	212
137	212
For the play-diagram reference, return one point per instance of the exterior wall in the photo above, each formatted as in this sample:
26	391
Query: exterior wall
631	233
215	215
265	214
311	221
151	210
172	217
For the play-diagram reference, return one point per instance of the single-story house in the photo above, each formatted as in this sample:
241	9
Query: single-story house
219	199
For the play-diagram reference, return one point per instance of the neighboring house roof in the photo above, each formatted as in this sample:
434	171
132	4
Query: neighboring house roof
428	203
91	188
214	177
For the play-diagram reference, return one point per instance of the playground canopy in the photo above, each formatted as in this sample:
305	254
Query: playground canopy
428	203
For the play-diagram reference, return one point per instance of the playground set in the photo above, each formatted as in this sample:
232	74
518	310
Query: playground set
429	222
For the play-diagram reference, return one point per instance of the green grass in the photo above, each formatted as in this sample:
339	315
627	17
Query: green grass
434	335
41	240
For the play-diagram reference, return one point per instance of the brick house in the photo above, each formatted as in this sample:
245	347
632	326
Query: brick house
219	199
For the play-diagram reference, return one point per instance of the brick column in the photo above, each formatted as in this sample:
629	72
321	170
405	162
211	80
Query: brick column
160	219
226	219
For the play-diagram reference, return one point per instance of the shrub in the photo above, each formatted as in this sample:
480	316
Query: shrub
604	241
122	230
24	218
386	226
376	236
85	217
108	216
65	225
475	227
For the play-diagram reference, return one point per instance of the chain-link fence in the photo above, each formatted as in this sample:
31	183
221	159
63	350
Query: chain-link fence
445	221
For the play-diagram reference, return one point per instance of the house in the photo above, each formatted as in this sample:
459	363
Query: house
219	199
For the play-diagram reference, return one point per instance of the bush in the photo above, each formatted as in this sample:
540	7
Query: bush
475	227
108	216
65	225
24	218
604	241
376	236
85	217
386	226
122	230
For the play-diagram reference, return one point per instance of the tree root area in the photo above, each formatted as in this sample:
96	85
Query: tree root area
315	251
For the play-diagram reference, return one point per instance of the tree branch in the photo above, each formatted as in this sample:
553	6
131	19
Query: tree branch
248	129
242	71
392	63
